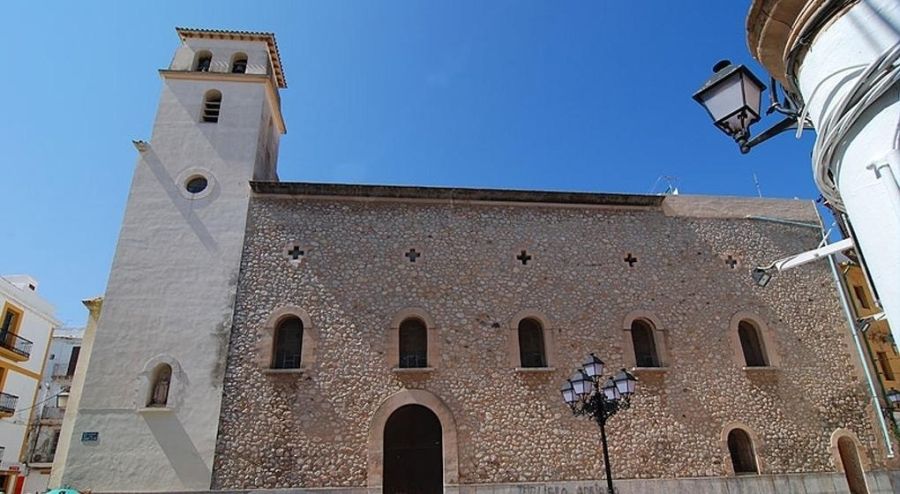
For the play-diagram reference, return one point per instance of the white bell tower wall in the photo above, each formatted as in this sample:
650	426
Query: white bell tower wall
170	295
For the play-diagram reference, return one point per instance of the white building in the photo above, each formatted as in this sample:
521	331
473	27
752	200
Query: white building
191	190
50	408
27	323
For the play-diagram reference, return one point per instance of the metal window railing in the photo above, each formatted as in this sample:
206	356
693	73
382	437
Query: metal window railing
533	359
413	360
53	413
8	402
286	360
15	343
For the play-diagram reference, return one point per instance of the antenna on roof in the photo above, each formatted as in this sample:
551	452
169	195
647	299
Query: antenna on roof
756	182
671	183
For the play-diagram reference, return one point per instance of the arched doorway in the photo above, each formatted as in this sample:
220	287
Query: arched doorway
856	479
413	459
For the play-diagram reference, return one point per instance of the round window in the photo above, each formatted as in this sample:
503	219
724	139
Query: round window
196	185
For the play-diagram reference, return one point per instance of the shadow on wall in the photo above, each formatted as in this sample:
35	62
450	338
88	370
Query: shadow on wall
179	450
183	206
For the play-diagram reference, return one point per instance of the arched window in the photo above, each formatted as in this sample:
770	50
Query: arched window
740	448
159	391
752	345
645	354
288	344
531	344
239	63
212	103
203	61
413	343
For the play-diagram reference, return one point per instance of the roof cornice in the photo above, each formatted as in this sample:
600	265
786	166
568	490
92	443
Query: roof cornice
454	194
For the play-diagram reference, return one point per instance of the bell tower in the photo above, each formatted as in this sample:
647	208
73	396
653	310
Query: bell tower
150	391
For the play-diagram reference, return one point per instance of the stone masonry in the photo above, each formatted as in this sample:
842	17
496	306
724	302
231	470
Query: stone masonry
312	428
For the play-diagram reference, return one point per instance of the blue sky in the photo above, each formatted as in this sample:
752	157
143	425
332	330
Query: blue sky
578	95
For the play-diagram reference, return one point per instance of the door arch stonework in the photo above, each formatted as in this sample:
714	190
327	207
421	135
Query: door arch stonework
375	453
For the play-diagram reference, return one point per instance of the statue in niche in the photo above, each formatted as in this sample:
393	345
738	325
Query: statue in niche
160	395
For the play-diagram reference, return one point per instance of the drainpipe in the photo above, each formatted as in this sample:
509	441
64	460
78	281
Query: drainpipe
854	331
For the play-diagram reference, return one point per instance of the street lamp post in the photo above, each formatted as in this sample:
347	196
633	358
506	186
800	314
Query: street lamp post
586	396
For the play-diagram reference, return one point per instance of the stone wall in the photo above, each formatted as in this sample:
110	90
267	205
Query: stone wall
314	428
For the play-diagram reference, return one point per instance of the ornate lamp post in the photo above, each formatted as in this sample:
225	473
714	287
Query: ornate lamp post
585	395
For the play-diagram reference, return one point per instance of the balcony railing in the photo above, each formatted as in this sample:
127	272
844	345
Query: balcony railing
413	360
2	449
53	413
15	343
8	403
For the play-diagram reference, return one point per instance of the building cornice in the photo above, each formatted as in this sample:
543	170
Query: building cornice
396	192
271	92
686	206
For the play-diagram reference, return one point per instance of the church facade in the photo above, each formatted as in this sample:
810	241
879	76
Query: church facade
265	335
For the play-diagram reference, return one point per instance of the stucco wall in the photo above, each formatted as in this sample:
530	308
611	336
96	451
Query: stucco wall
313	429
171	291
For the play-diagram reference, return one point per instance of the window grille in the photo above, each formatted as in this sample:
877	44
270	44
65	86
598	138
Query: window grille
288	344
413	344
645	354
531	344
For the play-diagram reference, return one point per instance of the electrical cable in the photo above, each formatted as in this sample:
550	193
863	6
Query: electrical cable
16	414
877	79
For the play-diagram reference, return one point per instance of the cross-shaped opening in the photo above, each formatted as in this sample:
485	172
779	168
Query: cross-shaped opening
731	262
524	257
412	255
296	253
630	259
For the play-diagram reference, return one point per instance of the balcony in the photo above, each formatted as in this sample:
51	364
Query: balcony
53	413
8	404
14	347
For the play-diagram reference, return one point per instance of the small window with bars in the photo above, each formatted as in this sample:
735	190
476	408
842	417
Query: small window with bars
413	344
288	344
531	344
212	104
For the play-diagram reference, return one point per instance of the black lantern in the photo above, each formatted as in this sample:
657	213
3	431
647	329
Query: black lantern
568	393
761	276
610	391
586	396
625	382
581	383
732	96
593	366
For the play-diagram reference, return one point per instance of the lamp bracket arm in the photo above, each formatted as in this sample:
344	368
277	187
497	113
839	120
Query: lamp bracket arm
788	123
788	108
812	255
